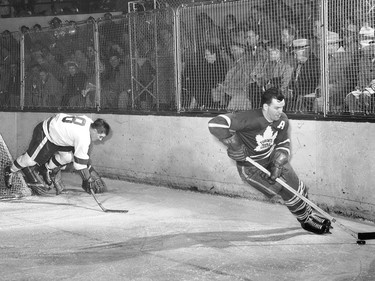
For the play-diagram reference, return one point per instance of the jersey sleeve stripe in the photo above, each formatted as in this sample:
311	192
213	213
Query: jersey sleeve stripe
284	148
283	142
81	161
213	125
229	121
39	148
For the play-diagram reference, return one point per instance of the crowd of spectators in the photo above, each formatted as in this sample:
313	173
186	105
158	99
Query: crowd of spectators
225	65
60	65
276	45
235	62
11	9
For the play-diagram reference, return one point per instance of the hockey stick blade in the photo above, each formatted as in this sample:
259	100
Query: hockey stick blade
104	209
115	211
360	236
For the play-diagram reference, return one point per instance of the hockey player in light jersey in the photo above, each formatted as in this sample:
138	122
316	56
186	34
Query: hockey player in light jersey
262	134
57	141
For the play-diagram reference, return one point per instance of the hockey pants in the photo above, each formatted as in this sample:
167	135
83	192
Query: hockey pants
257	179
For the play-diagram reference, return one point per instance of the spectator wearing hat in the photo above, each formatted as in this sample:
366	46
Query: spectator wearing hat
74	82
274	71
305	77
360	99
236	83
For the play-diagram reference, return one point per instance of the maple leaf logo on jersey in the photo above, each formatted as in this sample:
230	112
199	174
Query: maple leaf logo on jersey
266	140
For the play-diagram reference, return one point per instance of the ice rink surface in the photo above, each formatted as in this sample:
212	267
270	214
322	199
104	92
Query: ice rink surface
170	235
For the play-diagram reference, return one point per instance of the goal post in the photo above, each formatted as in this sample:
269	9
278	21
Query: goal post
19	188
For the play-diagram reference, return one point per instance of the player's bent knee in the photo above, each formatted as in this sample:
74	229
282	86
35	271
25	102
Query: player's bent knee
26	161
63	157
253	177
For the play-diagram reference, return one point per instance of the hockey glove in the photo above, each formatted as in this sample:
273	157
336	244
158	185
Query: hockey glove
279	159
92	180
100	185
236	149
89	184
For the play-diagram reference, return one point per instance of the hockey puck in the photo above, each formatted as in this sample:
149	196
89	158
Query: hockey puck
361	242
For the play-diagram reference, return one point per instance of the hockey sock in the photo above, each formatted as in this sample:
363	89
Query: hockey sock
299	208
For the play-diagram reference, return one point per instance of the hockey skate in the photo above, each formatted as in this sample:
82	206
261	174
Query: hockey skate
8	177
46	174
316	224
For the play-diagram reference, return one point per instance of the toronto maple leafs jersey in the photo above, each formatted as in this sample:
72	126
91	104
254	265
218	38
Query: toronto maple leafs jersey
260	136
70	130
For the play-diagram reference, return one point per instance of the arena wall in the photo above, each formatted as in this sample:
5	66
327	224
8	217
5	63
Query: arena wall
335	159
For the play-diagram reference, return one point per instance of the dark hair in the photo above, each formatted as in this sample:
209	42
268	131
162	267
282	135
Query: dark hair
270	94
101	126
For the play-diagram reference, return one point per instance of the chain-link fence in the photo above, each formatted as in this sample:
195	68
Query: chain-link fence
152	41
60	67
231	52
10	70
208	56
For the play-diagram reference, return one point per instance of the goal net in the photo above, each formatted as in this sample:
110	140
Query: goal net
19	187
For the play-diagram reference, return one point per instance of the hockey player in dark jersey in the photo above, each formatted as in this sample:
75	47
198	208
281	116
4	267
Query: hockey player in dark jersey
262	135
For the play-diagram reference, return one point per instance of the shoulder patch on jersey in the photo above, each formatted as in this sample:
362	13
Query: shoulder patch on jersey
281	125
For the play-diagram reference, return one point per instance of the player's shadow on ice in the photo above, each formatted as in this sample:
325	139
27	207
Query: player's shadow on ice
140	246
214	239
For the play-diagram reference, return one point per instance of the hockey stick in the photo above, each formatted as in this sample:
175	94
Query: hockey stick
104	209
360	236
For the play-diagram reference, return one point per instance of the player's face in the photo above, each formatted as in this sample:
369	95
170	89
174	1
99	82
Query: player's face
274	109
101	136
251	38
97	136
